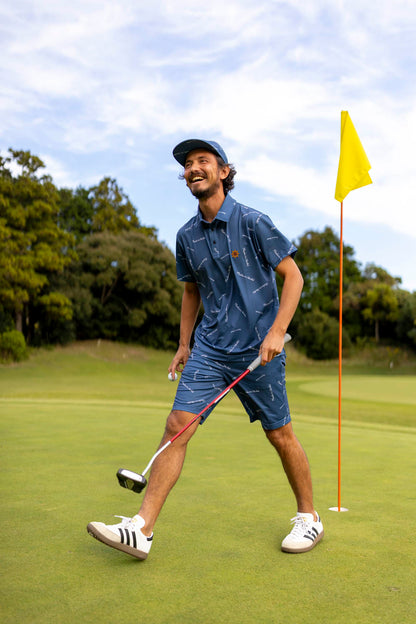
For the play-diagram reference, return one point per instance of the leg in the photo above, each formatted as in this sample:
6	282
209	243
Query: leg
295	464
166	468
134	535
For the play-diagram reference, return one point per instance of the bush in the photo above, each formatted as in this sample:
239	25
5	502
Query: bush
12	346
318	336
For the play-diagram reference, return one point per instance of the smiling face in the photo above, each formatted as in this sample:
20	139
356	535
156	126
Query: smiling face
203	174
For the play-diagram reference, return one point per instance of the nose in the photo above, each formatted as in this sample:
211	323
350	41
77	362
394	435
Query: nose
192	170
193	167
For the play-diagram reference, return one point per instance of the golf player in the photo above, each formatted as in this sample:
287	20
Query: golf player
226	255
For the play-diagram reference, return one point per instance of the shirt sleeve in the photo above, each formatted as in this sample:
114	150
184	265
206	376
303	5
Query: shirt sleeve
273	245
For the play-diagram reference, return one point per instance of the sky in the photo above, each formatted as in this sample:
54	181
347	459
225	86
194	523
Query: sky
101	88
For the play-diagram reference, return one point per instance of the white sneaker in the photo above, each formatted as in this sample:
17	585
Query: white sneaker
305	534
125	536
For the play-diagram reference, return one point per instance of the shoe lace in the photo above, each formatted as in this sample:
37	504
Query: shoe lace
124	521
299	526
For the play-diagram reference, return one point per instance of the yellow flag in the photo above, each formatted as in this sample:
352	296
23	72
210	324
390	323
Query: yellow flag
353	162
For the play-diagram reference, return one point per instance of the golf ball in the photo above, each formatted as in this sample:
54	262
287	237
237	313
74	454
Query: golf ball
172	377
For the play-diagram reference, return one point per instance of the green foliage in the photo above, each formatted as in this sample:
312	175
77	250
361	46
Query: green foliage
112	211
12	346
406	321
380	305
371	301
33	247
318	260
374	273
126	288
6	320
123	285
56	306
75	212
318	335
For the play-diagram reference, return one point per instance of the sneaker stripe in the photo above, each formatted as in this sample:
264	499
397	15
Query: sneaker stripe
121	536
312	535
134	539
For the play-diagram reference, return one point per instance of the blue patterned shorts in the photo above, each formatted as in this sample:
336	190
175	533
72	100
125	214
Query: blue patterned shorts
262	392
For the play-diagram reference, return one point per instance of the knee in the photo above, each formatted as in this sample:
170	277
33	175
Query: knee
281	438
176	421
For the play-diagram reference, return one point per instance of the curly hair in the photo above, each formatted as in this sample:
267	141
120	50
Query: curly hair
228	183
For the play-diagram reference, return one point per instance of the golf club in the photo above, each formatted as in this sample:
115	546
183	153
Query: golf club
137	482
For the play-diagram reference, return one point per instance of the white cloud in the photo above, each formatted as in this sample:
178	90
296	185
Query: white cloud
62	177
113	79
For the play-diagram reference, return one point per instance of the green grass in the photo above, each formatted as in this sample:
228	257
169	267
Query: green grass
70	417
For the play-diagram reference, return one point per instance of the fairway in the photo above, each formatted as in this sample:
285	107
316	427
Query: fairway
71	417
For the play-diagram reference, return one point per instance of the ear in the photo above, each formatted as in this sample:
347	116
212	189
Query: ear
225	170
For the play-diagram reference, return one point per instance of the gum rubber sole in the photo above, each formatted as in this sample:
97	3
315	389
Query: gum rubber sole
101	537
307	548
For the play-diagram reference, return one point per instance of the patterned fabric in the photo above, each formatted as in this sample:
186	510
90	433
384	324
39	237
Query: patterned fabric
232	260
262	392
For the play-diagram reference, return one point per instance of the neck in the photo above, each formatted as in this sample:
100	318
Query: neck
211	205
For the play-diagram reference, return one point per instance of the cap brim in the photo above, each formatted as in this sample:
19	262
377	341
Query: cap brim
181	151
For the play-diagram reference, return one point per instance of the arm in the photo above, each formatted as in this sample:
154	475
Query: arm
291	291
191	301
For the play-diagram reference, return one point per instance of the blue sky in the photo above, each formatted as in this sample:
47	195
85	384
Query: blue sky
107	88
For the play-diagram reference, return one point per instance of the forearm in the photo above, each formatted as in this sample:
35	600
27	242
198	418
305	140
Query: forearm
292	288
289	299
191	301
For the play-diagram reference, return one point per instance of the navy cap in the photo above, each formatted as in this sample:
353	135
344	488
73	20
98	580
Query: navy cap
181	151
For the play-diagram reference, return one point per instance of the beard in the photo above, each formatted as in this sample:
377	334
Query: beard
202	194
207	192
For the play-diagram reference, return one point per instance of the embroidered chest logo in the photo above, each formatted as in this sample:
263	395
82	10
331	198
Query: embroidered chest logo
235	253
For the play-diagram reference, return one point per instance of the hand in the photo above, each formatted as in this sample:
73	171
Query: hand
271	346
179	361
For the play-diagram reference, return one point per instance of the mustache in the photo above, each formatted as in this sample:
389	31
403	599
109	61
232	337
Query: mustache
195	176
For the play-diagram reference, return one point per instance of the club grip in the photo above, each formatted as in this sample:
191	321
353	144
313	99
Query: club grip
255	363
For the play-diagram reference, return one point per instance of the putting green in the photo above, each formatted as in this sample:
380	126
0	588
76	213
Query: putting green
376	388
69	418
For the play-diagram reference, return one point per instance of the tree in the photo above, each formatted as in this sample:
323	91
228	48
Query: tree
32	245
406	320
380	305
112	209
363	299
76	212
318	259
353	304
376	274
318	335
101	208
126	288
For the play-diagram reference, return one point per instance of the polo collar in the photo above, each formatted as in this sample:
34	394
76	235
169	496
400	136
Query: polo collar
224	213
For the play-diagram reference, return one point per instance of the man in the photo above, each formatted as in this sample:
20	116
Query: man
226	256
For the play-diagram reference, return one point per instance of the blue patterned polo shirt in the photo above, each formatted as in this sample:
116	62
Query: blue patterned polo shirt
232	261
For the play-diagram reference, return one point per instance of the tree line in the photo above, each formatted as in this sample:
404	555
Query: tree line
78	264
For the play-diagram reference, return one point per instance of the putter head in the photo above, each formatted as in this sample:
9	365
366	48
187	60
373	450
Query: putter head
131	480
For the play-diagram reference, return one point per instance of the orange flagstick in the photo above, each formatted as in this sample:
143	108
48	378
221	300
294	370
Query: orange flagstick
352	174
341	272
